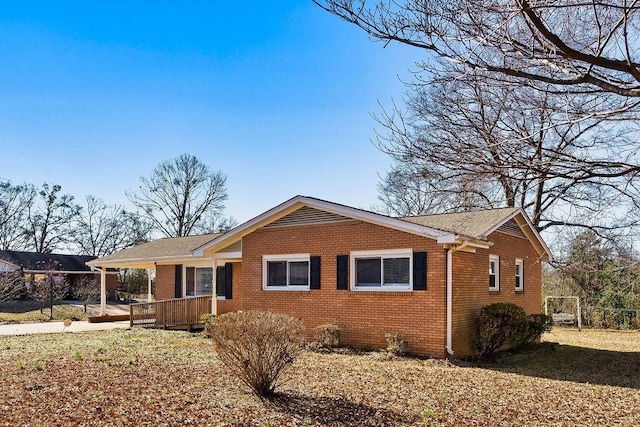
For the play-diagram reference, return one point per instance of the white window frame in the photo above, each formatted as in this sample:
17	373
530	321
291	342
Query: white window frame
382	254
495	259
519	277
288	258
195	274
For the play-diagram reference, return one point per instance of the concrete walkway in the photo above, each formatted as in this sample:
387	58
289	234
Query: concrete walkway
113	309
58	327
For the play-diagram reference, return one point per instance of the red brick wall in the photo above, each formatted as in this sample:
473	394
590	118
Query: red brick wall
363	316
165	282
471	285
111	285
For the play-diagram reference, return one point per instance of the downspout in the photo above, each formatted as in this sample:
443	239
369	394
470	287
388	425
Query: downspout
449	298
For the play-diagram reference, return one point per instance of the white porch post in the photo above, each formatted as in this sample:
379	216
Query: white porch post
149	296
103	291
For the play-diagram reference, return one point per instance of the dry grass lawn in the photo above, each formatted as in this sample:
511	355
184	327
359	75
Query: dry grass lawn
141	377
29	312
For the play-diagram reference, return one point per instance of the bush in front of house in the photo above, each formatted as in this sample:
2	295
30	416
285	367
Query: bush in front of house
207	320
506	323
397	343
536	325
328	335
257	346
500	324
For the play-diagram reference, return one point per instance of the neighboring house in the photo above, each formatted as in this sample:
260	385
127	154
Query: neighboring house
73	267
322	262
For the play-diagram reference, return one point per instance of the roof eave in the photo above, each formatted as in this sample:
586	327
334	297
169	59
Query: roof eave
298	201
545	252
151	261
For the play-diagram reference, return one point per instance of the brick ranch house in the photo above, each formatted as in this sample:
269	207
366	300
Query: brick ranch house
322	262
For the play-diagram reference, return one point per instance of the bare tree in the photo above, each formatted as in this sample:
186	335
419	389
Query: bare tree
101	229
218	223
48	286
11	285
589	45
87	290
49	218
478	143
14	204
411	189
179	195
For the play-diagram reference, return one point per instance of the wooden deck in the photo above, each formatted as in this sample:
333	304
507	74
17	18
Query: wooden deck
179	313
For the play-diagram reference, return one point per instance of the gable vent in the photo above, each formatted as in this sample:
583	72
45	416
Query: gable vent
306	216
511	227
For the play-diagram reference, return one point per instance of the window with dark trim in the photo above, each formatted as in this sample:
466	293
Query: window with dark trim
385	270
199	281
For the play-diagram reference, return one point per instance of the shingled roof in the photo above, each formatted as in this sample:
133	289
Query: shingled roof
168	247
36	261
475	224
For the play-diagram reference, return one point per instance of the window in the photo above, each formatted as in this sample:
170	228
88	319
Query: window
382	270
494	273
519	275
199	281
285	272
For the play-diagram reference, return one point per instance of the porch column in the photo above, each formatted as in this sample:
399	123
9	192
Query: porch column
149	296
103	291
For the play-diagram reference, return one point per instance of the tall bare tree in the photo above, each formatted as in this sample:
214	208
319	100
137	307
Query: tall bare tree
14	203
49	218
411	189
478	143
102	229
589	45
180	195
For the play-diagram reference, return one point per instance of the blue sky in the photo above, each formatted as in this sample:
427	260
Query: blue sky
277	95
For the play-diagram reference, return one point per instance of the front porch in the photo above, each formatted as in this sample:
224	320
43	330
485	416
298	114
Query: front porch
177	313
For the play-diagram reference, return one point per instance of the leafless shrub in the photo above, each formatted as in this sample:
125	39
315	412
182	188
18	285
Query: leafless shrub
49	286
208	320
11	285
87	290
328	335
257	346
45	290
397	343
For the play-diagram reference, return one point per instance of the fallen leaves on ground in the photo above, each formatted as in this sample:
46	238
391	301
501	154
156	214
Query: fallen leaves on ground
149	378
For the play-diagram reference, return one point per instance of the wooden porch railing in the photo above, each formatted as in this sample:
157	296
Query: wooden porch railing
176	313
